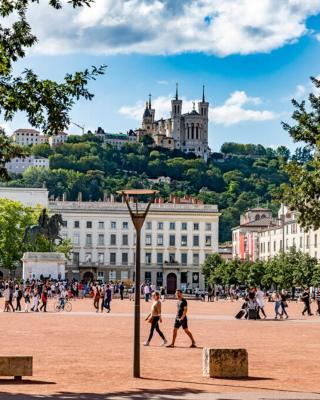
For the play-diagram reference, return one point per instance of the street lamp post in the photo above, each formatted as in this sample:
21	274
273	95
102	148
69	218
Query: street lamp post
138	217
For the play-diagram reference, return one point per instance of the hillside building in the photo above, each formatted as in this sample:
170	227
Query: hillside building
186	132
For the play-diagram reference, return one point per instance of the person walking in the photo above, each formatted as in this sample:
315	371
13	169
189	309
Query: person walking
284	303
102	293
162	293
318	300
44	300
18	297
96	297
181	320
27	299
154	318
108	298
7	294
121	288
260	301
277	301
146	292
306	299
35	301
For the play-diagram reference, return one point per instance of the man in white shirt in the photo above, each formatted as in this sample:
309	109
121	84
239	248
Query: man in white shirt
260	300
146	292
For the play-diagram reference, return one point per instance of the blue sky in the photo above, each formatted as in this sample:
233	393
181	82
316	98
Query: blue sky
251	65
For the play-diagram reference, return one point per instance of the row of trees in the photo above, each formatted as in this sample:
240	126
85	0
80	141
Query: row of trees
14	218
284	271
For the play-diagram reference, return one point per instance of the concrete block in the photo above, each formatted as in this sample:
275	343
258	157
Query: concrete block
225	363
16	366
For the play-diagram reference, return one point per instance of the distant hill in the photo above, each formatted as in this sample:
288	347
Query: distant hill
239	177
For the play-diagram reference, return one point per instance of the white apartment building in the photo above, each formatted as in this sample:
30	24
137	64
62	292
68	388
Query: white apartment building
28	137
175	240
19	165
265	237
291	234
59	138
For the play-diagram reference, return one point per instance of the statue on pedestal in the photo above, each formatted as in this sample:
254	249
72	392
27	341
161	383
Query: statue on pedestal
49	227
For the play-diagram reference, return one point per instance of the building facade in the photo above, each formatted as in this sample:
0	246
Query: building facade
116	139
278	234
175	240
186	132
31	197
28	137
19	165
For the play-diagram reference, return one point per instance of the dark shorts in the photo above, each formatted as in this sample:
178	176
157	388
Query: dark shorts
183	323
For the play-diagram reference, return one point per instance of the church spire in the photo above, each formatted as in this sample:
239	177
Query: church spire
203	98
177	95
149	101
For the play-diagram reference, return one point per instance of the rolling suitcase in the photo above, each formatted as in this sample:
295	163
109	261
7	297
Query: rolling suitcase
252	314
240	314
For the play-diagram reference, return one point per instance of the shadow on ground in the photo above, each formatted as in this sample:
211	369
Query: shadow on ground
139	394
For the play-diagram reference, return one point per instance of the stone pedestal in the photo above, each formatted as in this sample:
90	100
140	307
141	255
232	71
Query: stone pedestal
225	363
46	264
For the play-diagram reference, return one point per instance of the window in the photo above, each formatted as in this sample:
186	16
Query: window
148	225
307	241
184	226
172	240
101	225
88	239
113	225
100	275
113	239
196	240
75	258
113	258
159	258
148	258
184	240
268	247
208	240
294	242
124	258
125	225
88	257
184	258
112	275
101	258
315	240
101	240
147	276
172	258
195	259
160	226
301	241
89	224
196	226
172	226
274	245
287	244
160	240
65	224
281	245
148	239
125	240
208	226
77	224
287	229
76	239
124	275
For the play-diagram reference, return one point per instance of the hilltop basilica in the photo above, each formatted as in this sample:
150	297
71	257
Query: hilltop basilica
186	132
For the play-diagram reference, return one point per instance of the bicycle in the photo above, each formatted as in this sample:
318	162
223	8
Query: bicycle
67	306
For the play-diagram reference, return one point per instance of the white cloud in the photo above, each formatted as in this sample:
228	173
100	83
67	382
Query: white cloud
221	27
232	112
298	94
162	82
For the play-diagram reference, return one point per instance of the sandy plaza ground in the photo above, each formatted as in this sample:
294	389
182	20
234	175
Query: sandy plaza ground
85	355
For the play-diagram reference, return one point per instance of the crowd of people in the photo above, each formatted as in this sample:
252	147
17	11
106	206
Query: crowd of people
255	299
